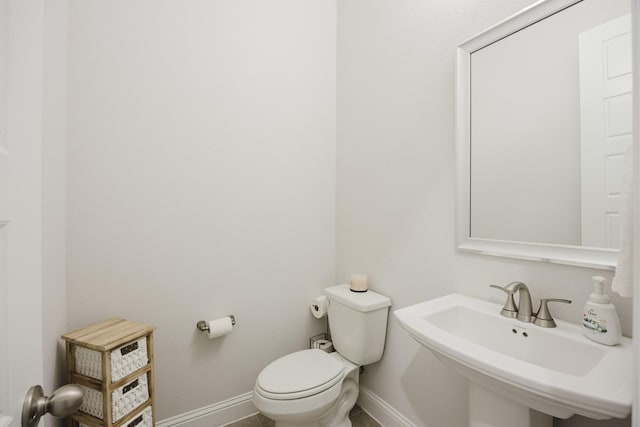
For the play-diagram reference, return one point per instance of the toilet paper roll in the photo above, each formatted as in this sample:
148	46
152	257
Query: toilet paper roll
319	307
324	345
219	327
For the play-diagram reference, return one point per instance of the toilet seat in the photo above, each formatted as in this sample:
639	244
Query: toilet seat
301	374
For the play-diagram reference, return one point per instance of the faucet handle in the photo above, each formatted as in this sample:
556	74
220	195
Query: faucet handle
510	309
543	315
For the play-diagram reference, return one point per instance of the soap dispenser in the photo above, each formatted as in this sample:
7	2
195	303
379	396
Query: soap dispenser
599	318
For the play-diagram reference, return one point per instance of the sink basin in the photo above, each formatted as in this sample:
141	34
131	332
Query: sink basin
556	371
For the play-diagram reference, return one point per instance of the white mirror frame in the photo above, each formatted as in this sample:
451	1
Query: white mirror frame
581	256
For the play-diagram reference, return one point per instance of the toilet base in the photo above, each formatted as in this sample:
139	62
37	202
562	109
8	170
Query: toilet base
327	409
338	413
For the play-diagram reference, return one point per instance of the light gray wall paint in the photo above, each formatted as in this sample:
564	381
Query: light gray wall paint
396	189
201	175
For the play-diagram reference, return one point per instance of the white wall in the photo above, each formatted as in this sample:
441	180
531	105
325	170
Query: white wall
396	189
201	175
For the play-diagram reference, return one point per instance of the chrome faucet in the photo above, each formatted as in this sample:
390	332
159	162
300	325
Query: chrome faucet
543	317
523	310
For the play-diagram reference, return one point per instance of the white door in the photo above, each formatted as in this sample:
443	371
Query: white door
21	56
605	125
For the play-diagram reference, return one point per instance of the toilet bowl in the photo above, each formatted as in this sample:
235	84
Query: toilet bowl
311	388
308	388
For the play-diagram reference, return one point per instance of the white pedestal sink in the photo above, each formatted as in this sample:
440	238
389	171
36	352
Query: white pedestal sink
514	366
487	409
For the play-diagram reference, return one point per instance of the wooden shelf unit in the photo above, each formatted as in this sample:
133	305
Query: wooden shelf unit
105	337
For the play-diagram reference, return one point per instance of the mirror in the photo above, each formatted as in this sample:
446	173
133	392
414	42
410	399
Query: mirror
544	112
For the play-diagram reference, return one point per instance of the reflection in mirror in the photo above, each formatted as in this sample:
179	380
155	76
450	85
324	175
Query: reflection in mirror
550	110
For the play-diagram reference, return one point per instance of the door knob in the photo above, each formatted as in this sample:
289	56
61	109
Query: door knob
63	402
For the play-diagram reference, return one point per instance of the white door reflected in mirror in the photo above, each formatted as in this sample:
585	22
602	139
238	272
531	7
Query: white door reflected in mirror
605	127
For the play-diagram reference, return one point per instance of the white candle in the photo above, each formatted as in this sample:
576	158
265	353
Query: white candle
359	282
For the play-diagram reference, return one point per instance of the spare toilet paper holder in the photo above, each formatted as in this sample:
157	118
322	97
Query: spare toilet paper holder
204	326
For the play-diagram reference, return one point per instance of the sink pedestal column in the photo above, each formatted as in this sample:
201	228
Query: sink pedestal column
487	409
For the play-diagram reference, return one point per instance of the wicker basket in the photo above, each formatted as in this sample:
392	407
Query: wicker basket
124	399
124	360
145	419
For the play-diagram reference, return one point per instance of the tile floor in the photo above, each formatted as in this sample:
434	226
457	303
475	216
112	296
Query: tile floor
358	417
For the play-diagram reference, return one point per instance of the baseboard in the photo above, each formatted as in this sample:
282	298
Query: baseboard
217	414
380	410
236	408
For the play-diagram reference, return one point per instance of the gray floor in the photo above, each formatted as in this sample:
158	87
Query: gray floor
358	417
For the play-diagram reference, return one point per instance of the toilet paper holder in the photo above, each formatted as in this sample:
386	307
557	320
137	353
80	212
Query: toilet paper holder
204	326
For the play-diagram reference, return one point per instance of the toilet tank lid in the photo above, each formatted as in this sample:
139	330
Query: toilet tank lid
361	301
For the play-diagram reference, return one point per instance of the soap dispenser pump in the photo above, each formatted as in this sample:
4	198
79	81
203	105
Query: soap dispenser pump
599	318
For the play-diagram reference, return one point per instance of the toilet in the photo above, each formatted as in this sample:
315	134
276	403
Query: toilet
312	388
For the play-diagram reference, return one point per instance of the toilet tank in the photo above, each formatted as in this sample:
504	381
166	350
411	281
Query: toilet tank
358	323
